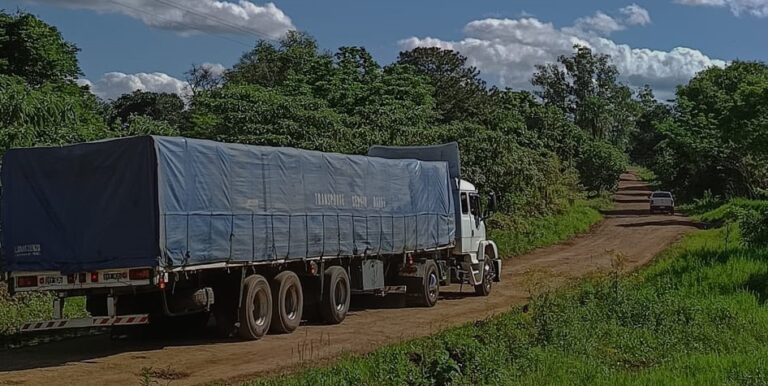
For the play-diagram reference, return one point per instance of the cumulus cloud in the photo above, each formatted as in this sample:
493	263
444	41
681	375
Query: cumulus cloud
114	84
509	49
194	16
636	15
599	23
758	8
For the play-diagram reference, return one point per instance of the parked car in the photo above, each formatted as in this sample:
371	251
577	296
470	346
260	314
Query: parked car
662	201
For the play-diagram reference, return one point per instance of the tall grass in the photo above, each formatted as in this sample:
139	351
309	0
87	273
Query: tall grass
698	315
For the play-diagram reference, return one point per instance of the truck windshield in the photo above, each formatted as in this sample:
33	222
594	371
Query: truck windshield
662	195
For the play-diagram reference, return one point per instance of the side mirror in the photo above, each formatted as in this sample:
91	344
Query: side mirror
492	202
491	205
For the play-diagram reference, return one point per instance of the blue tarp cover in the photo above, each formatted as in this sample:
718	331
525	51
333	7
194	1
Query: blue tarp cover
126	202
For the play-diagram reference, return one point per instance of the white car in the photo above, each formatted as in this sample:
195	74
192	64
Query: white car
662	201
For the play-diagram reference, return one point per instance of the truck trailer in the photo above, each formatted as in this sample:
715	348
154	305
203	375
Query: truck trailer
167	230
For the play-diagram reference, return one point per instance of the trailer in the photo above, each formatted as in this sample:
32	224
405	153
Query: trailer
167	230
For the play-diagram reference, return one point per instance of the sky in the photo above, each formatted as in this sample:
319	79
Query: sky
131	45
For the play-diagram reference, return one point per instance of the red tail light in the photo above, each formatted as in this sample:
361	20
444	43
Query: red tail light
94	277
139	274
26	281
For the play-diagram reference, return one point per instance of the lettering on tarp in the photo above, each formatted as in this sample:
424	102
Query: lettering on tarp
357	201
27	250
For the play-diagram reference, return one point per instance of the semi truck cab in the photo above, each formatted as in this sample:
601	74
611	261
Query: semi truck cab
480	257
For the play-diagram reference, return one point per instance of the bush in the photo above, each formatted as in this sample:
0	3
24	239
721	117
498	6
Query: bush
600	166
754	227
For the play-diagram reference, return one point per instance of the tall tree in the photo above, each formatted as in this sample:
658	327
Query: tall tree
460	93
584	85
718	140
158	106
34	50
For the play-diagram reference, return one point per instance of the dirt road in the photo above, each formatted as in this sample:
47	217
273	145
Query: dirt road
627	230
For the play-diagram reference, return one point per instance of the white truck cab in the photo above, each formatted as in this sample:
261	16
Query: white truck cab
481	256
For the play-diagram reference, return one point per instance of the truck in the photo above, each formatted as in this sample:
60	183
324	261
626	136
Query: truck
165	231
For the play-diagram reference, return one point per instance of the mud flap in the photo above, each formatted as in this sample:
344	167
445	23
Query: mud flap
496	270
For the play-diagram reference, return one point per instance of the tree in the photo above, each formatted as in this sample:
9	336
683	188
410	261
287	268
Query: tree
203	77
459	91
295	58
35	51
50	114
718	139
646	136
165	107
584	86
600	166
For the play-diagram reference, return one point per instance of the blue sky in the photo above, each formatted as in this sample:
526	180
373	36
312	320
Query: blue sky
148	44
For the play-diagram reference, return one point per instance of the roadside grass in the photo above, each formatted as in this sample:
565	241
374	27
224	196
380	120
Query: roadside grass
515	235
697	315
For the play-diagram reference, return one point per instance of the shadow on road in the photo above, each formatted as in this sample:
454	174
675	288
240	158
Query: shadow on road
636	194
625	212
630	201
671	222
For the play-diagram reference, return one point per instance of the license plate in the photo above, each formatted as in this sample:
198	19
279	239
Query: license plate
115	276
51	280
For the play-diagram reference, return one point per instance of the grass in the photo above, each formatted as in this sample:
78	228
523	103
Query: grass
697	315
517	235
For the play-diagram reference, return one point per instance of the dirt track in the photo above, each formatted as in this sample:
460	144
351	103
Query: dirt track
628	230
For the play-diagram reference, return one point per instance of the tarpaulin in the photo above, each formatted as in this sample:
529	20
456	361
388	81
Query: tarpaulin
80	207
128	202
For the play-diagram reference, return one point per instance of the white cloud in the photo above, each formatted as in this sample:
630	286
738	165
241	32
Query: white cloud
758	8
114	84
509	49
636	15
598	23
194	16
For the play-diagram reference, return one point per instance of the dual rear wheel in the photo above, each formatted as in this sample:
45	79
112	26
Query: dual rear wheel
278	306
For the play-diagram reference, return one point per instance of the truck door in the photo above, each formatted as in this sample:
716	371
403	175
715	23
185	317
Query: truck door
478	226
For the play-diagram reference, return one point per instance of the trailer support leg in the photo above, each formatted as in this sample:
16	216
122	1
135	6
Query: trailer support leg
111	306
58	307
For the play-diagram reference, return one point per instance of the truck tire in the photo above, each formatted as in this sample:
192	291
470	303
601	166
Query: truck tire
428	288
256	308
336	295
484	288
288	302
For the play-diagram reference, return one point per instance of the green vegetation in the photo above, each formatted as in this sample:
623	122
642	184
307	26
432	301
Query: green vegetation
19	309
515	236
696	316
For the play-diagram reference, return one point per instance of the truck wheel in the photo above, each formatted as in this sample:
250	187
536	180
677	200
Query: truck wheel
288	300
256	308
484	288
428	290
336	295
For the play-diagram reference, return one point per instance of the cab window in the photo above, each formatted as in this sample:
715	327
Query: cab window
474	204
464	204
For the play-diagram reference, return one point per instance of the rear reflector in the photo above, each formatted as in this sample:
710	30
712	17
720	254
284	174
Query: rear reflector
139	274
26	281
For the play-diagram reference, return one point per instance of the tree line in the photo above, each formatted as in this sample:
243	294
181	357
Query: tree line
538	150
